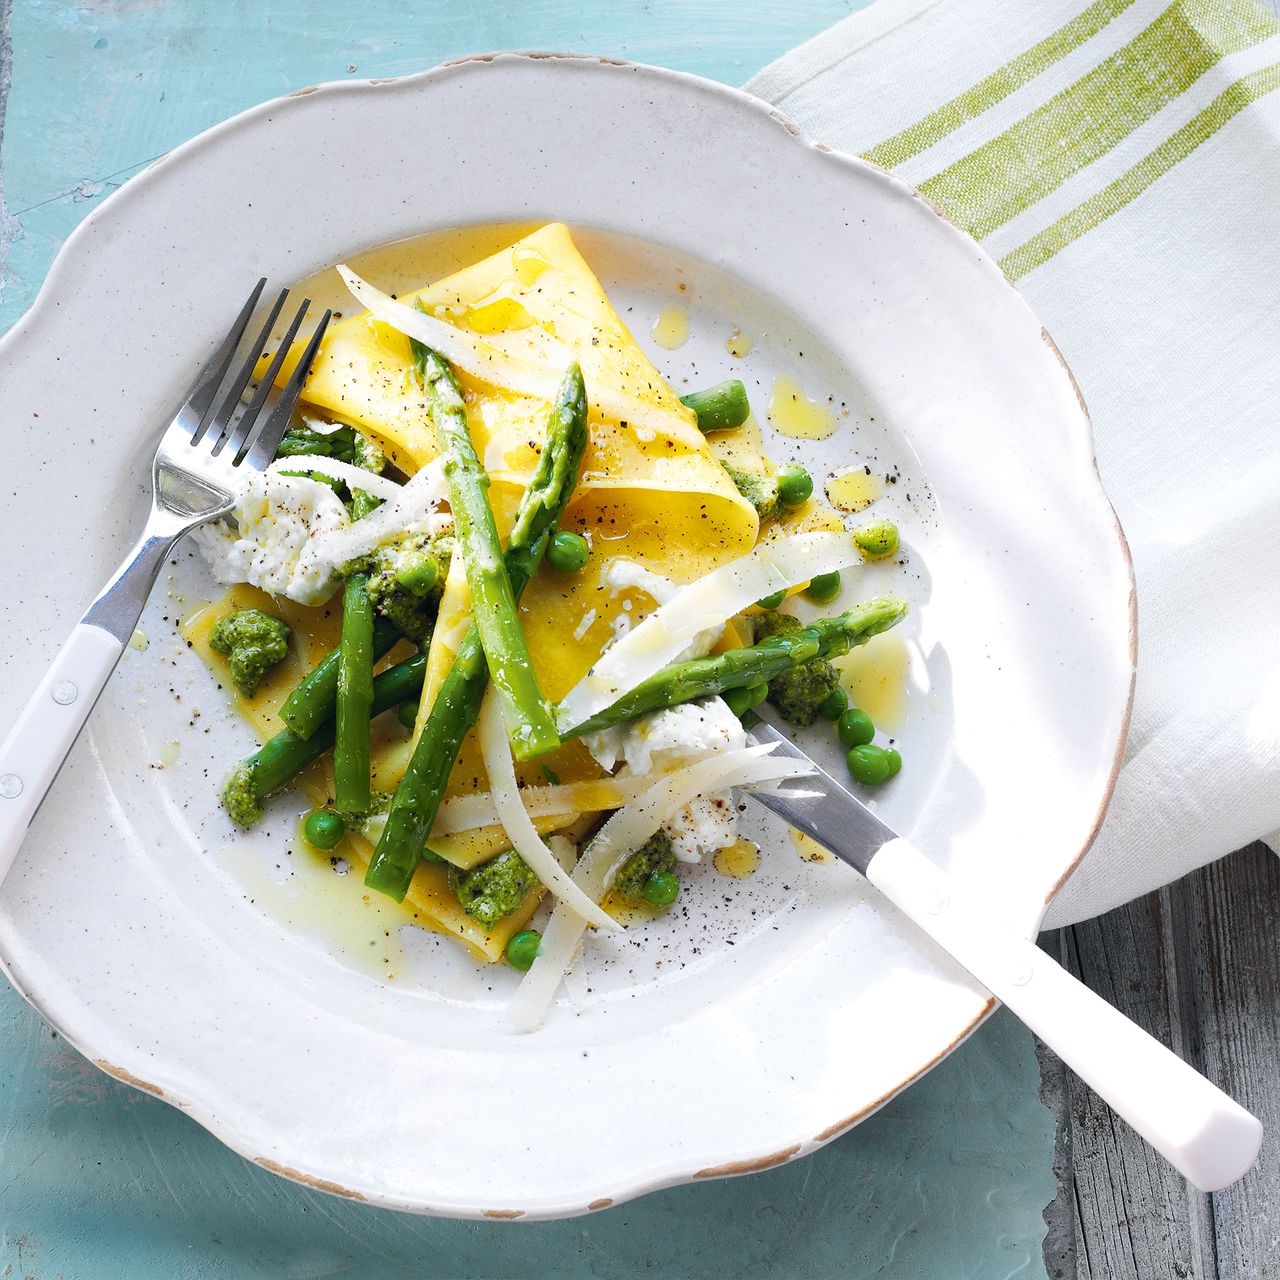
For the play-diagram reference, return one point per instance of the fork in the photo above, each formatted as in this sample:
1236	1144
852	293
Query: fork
193	481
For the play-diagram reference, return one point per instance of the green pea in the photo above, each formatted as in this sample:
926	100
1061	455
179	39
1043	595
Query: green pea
824	588
795	484
568	552
737	700
407	714
523	949
834	704
418	575
876	539
323	829
773	601
661	889
719	408
895	761
855	728
868	765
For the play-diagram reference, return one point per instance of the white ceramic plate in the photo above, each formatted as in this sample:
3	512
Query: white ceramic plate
770	1014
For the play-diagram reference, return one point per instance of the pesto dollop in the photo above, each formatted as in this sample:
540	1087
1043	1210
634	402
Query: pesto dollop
253	642
240	796
493	890
655	857
406	579
797	694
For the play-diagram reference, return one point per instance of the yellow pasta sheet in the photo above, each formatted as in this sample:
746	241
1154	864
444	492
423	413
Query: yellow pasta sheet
430	900
650	491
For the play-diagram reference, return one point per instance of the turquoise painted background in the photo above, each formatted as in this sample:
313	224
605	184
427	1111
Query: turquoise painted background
98	1181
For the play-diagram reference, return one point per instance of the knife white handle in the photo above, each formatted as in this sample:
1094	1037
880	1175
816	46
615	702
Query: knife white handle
1206	1135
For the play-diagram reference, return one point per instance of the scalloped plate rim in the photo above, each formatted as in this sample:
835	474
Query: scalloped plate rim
61	272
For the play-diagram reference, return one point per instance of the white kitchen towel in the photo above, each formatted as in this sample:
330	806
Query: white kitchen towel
1121	161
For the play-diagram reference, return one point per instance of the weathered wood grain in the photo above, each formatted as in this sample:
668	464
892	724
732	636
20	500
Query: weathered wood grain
1233	913
1133	1211
1059	1249
1198	965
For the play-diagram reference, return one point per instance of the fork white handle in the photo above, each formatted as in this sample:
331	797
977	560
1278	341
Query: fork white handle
45	732
1209	1137
192	481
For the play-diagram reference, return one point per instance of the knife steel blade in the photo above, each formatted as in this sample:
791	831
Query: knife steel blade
1207	1135
820	807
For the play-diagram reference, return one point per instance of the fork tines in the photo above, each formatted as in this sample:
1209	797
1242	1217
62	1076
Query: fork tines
212	411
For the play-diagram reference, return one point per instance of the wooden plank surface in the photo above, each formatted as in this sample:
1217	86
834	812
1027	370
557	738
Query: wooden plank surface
1198	965
1234	913
1208	965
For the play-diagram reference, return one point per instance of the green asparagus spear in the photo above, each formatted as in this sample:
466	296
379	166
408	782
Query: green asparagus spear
457	704
719	408
351	785
283	757
417	798
756	664
345	444
528	717
311	703
363	503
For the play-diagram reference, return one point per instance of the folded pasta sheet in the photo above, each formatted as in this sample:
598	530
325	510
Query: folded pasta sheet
650	491
430	901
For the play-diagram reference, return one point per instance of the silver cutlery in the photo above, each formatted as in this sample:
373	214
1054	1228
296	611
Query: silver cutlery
1206	1135
193	480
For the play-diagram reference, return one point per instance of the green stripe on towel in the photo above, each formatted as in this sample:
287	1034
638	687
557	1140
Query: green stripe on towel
1040	248
1036	155
997	86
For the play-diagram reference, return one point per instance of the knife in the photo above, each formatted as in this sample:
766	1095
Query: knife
1206	1135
